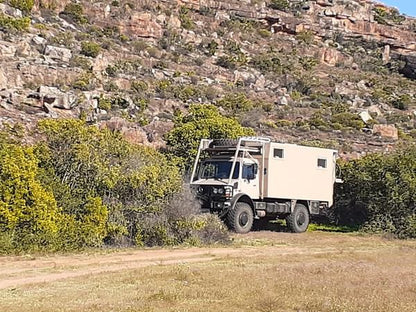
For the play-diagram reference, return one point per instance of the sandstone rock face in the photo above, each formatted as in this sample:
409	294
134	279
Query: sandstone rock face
142	25
386	131
331	56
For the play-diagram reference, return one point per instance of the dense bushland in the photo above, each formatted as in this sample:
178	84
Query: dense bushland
379	193
83	187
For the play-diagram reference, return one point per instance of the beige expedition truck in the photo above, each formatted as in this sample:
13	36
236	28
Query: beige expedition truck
252	178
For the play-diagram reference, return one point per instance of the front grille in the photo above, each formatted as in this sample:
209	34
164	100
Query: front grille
206	196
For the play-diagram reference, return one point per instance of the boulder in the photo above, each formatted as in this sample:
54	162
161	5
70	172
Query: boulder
330	56
6	9
7	49
56	98
174	22
365	116
386	131
58	53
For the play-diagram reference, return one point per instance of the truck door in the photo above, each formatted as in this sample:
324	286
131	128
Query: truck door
250	180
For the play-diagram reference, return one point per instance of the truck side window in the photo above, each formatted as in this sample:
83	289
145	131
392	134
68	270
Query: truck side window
321	163
278	153
248	172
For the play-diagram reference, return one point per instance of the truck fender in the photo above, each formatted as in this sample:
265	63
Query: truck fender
241	197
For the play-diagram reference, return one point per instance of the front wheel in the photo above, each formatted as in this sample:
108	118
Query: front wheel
298	220
240	218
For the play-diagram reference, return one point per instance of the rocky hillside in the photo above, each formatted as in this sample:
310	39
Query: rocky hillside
338	71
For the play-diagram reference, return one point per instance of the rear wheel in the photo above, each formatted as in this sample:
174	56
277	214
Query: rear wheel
298	220
240	218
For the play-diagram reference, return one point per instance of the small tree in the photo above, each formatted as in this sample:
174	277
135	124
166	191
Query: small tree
202	121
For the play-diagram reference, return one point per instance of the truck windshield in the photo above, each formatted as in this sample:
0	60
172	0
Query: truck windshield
218	170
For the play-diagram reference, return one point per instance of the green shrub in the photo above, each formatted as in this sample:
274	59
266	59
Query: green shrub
84	82
269	62
24	5
81	62
104	103
386	16
348	119
282	5
10	23
402	102
90	49
75	12
236	102
226	61
82	186
139	86
306	36
185	19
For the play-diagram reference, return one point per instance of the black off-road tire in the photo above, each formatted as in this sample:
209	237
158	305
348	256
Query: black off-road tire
240	218
298	220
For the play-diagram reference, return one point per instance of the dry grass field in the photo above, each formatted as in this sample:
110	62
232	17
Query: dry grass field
260	271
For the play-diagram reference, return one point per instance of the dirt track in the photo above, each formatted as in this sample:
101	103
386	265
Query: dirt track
20	271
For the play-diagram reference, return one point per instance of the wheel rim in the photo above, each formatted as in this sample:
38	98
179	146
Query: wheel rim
243	219
301	219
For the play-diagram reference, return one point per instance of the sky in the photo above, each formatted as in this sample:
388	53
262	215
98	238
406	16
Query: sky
407	7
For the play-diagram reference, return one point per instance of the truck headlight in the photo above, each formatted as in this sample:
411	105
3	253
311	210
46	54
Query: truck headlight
228	190
221	191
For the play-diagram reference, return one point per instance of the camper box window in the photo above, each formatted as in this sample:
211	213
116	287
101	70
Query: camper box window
321	163
278	153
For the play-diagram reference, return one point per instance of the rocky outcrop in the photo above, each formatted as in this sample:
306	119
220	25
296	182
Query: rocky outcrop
386	131
58	53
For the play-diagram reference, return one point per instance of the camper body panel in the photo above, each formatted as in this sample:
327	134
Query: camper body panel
299	172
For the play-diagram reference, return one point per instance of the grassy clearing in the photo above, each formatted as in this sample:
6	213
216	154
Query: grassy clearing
308	272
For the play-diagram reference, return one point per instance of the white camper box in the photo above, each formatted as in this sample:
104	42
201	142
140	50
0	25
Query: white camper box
299	172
